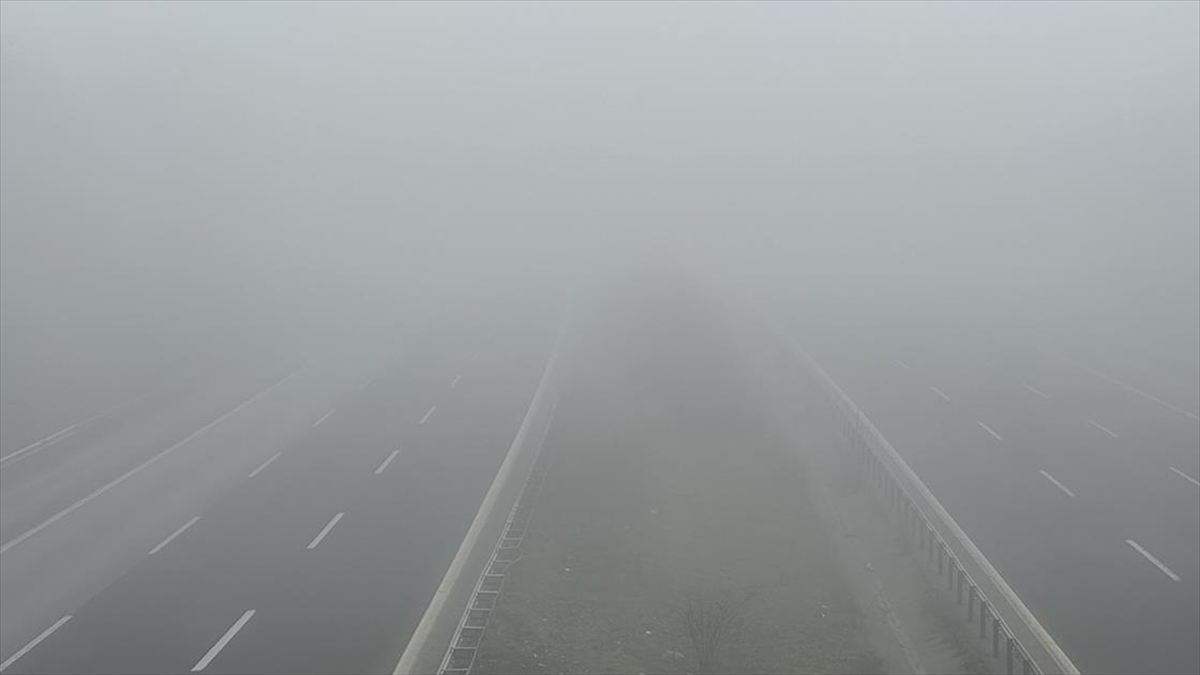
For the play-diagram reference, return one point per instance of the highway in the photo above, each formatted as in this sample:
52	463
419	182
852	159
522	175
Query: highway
295	518
1078	485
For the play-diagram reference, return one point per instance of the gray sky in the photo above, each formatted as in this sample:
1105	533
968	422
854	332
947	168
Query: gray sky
175	169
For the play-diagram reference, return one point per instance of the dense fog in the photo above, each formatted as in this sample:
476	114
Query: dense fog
183	179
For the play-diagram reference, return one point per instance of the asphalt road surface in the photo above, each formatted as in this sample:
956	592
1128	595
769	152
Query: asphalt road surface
1079	486
290	519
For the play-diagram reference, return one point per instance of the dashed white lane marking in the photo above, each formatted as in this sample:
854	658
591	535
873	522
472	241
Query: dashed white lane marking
425	418
365	385
902	364
33	643
324	417
940	393
216	649
1157	563
38	446
1184	476
455	382
386	462
1102	428
325	530
130	473
264	465
174	534
1057	484
989	430
1037	391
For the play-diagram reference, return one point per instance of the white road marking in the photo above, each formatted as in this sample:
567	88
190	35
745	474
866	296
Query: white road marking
33	643
939	393
902	364
386	462
264	465
475	356
325	530
1139	392
1184	476
1157	563
455	382
365	385
1037	391
324	417
174	534
216	649
1054	480
32	448
1101	428
135	470
989	430
427	414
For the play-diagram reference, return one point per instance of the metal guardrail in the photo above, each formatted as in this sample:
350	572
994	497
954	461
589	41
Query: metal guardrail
1026	644
491	538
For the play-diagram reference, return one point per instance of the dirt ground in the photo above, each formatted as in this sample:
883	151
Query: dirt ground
675	485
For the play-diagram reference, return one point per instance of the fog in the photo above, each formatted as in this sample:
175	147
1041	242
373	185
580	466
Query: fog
182	176
338	240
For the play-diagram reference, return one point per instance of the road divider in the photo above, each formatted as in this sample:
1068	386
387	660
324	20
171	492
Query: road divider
435	635
1026	642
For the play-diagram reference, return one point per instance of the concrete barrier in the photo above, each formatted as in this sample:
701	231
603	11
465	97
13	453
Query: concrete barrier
429	647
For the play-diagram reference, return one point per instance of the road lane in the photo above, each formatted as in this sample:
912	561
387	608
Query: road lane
365	586
1068	558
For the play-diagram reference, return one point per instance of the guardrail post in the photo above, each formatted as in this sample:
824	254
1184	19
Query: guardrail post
1010	655
983	615
970	602
1025	663
940	554
958	574
949	570
995	638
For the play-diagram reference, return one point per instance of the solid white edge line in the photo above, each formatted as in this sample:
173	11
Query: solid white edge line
174	534
1035	390
455	570
1054	480
1157	563
1102	428
324	531
427	414
940	393
216	649
1141	393
989	430
33	643
130	473
1184	476
455	382
1039	631
386	462
38	445
902	364
264	465
324	417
